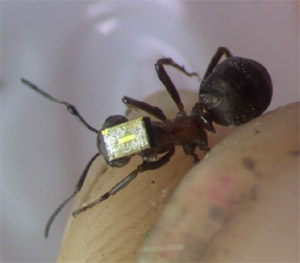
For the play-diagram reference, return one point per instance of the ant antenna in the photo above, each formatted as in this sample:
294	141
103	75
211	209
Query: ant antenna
56	212
71	108
77	189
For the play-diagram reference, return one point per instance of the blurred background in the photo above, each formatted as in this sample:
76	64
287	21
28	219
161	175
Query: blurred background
91	53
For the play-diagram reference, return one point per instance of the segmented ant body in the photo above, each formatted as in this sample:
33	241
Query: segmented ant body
231	92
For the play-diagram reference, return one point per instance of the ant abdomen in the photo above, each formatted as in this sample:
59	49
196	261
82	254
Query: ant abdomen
236	91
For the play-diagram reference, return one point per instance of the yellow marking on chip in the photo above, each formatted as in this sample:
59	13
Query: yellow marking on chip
126	138
104	132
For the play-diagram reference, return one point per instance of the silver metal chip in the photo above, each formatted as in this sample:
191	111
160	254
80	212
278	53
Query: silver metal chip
126	139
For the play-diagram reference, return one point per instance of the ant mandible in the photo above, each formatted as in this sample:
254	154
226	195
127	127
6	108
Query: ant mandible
120	138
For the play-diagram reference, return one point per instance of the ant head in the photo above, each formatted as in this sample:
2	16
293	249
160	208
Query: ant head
113	121
102	146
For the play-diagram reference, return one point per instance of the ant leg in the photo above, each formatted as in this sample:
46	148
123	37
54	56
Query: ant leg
71	108
195	158
205	118
155	111
166	80
77	189
171	62
202	145
145	166
189	149
215	60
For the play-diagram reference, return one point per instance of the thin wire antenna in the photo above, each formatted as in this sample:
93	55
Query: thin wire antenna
71	108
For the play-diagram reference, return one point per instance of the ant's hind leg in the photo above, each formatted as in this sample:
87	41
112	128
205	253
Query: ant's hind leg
171	62
216	58
145	166
166	80
155	111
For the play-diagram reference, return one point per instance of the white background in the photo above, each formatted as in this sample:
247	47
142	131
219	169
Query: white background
91	54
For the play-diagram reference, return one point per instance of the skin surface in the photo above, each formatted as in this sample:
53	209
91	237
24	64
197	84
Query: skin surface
245	208
218	212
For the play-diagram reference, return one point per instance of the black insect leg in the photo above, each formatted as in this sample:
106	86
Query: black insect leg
202	145
195	157
155	111
189	149
171	62
215	60
77	189
145	166
71	108
166	80
206	120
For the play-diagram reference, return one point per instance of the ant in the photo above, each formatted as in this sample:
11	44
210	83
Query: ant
225	97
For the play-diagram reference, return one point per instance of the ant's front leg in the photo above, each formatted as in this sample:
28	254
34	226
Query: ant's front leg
145	166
